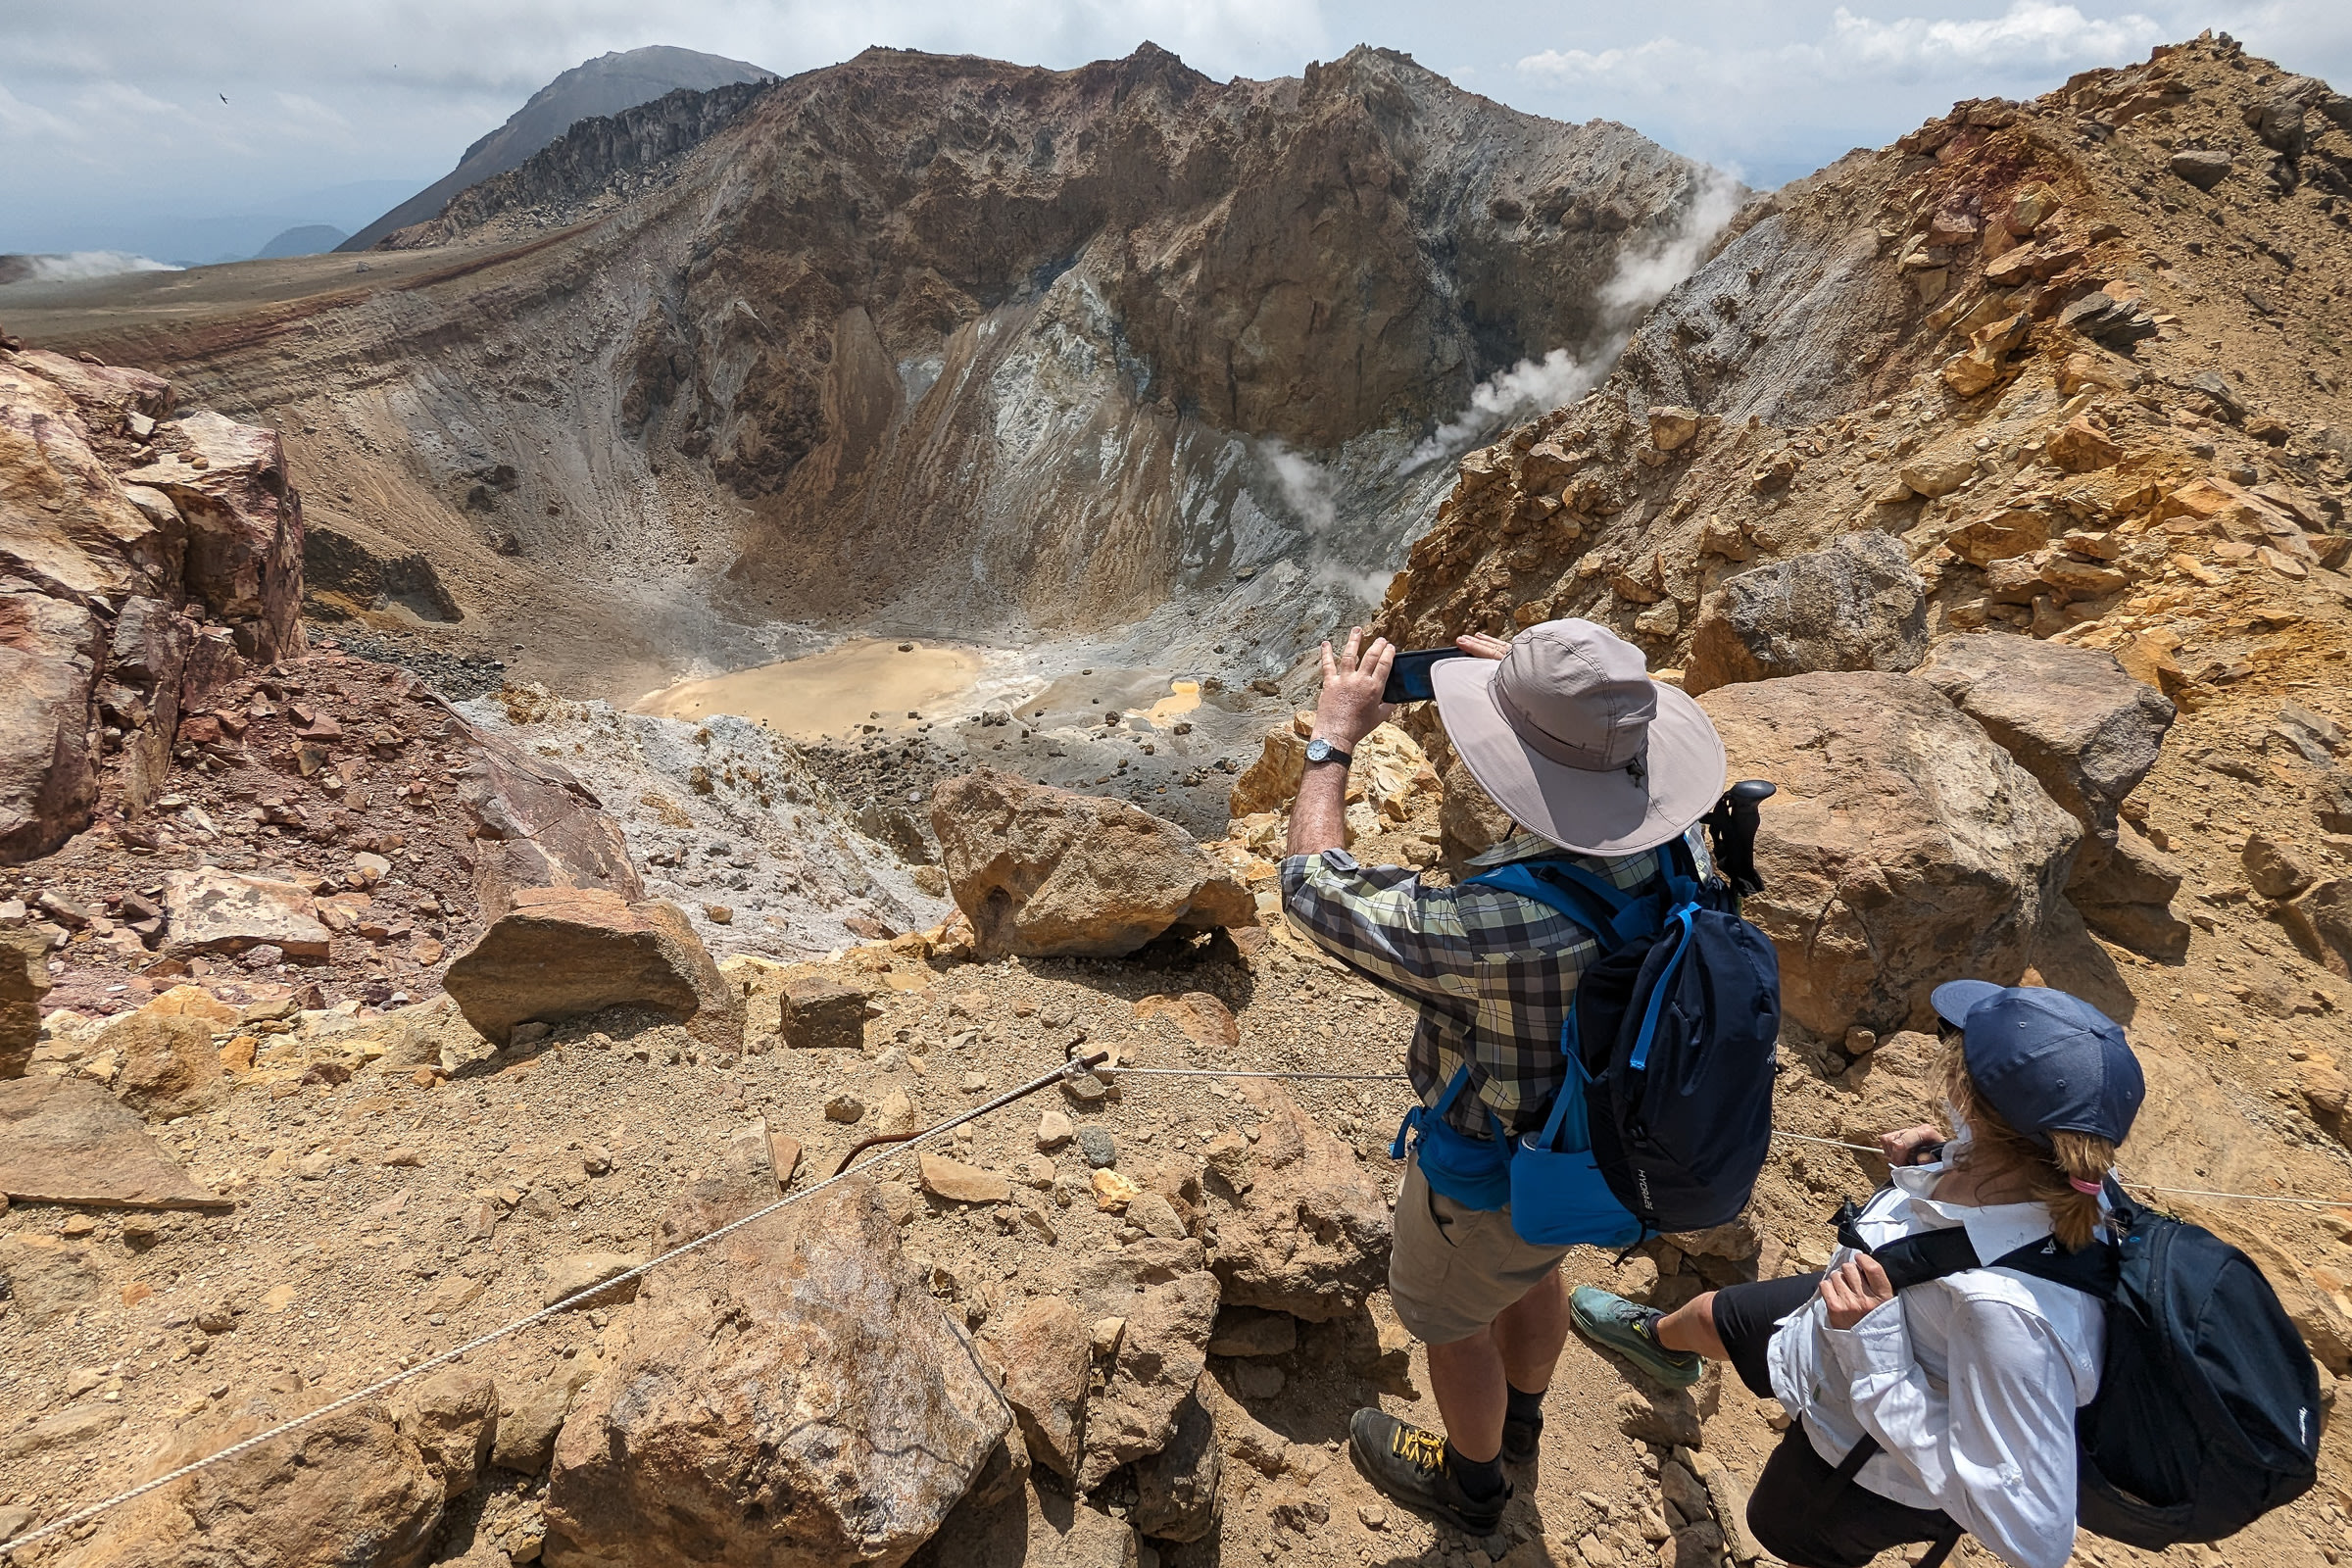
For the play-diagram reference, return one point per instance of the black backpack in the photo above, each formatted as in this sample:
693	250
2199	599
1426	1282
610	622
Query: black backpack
1674	1026
2208	1410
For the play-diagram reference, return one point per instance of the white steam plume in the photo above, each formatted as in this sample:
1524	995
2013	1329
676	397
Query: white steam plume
1530	384
1644	276
72	266
1305	486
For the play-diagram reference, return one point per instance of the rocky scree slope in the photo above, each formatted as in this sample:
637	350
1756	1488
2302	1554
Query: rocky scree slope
954	345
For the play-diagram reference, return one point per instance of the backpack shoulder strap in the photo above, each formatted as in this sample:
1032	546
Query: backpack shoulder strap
1611	915
1933	1255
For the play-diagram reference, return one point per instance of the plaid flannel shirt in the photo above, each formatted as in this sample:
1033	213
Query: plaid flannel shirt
1492	972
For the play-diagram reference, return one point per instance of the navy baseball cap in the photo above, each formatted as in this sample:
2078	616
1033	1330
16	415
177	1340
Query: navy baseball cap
2045	1061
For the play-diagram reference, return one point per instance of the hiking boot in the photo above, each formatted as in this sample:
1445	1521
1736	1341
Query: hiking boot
1630	1329
1408	1463
1520	1440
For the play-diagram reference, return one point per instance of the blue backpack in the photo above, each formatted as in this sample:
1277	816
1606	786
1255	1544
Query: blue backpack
1665	1115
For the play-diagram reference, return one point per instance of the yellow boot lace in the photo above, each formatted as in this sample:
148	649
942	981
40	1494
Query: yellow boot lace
1418	1446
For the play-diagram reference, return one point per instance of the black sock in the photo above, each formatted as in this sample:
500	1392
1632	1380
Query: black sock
1481	1478
1524	1406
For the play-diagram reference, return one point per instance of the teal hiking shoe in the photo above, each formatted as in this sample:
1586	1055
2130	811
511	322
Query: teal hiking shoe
1628	1328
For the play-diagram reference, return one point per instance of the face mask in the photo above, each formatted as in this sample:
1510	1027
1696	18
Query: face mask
1956	1145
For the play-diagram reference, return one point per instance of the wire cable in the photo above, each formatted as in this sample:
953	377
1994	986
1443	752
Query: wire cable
1069	1070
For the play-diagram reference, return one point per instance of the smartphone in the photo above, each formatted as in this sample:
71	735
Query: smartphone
1408	676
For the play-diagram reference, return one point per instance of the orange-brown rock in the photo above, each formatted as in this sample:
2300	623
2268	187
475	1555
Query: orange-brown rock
1044	873
791	1396
568	952
1904	847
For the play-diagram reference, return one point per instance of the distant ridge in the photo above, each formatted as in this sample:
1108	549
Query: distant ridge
605	85
308	239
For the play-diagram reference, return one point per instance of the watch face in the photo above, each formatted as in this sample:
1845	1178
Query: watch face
1321	750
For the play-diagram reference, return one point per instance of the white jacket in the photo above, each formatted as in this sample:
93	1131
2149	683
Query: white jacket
1969	1383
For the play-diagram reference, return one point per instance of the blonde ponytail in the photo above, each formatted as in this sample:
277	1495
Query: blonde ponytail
2049	1174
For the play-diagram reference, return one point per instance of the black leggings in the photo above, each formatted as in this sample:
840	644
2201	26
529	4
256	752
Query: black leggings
1802	1511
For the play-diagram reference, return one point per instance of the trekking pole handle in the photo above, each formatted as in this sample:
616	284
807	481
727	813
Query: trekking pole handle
1733	823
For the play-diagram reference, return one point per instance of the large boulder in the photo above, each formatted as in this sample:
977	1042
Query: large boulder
348	1489
1046	873
791	1397
24	981
1904	847
2088	732
533	825
1855	603
67	1141
569	953
1302	1224
209	911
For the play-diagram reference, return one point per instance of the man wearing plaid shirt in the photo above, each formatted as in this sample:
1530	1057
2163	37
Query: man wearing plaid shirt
1600	766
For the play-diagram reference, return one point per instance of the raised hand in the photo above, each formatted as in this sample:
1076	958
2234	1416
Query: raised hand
1350	707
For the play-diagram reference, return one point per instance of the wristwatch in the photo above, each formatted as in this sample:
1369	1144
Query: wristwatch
1320	750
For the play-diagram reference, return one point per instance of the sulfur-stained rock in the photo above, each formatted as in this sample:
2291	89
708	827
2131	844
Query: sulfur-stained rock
169	1064
1044	873
789	1397
569	953
1672	427
1904	847
349	1488
1308	1235
210	910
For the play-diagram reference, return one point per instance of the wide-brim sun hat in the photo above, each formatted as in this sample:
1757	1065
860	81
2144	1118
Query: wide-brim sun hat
1570	735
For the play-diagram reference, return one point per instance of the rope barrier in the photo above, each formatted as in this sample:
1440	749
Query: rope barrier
1068	1069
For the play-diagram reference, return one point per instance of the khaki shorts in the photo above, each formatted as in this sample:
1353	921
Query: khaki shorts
1453	1270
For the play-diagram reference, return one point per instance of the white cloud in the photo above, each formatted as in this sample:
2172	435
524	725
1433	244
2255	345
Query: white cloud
20	119
2030	33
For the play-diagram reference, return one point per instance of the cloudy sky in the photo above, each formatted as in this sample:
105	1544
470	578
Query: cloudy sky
129	123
